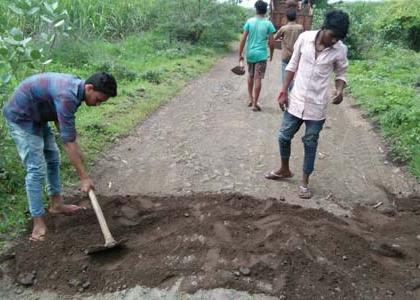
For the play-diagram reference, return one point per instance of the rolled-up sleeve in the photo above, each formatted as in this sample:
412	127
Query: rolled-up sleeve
340	66
66	110
294	60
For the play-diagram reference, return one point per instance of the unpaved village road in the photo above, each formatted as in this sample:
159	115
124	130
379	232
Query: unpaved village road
187	191
207	139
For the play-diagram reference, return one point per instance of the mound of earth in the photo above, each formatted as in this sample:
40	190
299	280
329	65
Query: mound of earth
233	241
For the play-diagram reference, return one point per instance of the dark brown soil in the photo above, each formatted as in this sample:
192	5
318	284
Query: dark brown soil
215	240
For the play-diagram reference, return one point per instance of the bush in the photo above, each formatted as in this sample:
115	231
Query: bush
394	23
400	23
211	23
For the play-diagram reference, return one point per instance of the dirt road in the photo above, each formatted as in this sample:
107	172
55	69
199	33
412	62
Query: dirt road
206	139
187	190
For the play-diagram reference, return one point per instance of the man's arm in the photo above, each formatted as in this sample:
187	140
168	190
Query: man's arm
283	97
242	44
75	155
290	73
271	45
340	69
279	34
66	109
339	91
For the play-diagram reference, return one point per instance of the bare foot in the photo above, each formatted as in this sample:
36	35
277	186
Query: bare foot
64	208
39	231
37	237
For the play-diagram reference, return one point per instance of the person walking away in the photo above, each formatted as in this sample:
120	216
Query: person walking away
288	35
258	31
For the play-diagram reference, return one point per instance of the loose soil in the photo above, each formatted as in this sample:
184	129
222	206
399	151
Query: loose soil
230	241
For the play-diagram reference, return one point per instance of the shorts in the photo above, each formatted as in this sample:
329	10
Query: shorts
257	70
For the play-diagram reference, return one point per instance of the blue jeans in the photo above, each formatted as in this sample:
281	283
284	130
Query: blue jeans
283	74
41	158
289	127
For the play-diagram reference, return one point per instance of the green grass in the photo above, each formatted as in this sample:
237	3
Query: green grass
153	48
386	84
149	71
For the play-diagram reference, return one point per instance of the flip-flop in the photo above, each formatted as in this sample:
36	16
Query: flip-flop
274	176
305	193
256	108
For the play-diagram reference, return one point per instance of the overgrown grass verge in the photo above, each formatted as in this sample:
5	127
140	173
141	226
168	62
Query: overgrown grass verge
149	71
384	72
387	84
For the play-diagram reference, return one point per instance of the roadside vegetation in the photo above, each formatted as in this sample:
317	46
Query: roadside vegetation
153	48
384	72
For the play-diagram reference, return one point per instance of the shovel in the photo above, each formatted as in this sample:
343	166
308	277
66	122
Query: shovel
110	242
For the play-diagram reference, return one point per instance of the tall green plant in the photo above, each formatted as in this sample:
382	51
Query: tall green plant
18	52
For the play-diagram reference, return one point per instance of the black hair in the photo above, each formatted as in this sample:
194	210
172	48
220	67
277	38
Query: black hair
337	21
261	7
291	14
103	82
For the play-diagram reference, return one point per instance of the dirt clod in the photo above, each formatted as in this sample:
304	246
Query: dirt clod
385	249
74	283
26	279
414	285
245	271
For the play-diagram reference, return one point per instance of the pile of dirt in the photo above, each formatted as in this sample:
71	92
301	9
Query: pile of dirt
231	241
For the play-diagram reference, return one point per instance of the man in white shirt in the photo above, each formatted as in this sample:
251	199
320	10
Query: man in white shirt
316	56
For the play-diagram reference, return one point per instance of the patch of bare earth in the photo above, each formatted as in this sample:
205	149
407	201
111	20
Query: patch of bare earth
230	241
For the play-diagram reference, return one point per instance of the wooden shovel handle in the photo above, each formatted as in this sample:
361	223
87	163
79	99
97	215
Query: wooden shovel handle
109	240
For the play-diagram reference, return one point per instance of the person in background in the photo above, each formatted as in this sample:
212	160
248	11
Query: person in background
258	31
288	35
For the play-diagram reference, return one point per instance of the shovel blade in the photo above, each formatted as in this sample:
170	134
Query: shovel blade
102	248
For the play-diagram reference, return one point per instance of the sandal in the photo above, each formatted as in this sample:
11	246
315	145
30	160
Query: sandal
272	175
305	193
249	104
256	108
